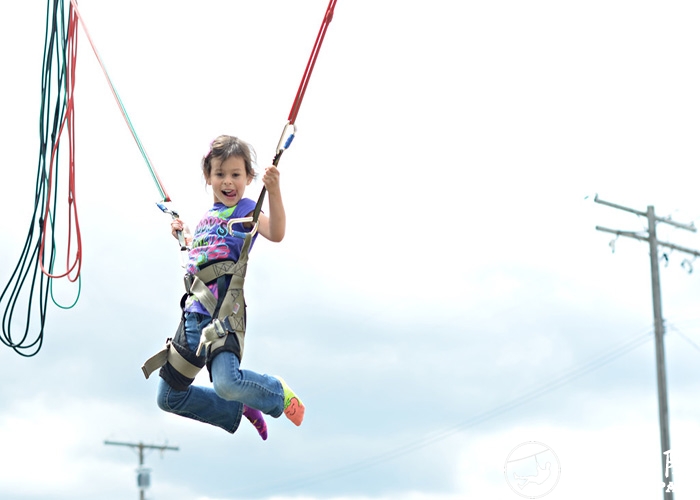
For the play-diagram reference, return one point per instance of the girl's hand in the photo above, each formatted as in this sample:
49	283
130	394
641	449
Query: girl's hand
271	179
177	225
273	226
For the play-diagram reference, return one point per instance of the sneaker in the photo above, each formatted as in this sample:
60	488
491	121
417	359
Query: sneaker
293	407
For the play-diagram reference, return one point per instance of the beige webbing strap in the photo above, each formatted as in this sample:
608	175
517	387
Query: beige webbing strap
247	243
231	303
210	273
198	286
199	289
213	335
155	362
232	306
170	354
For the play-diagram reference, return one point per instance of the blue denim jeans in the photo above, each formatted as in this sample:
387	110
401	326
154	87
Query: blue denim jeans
221	405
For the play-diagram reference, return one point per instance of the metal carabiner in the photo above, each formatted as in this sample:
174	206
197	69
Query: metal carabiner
284	144
241	234
175	215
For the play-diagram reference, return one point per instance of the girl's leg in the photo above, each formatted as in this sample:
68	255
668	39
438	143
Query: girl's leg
261	392
202	404
270	395
233	388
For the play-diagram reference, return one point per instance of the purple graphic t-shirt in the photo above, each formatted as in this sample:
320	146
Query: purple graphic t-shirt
212	242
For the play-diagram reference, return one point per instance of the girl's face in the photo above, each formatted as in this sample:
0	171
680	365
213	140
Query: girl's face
228	180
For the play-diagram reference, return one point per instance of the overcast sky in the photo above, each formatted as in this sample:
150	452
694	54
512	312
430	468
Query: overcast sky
442	295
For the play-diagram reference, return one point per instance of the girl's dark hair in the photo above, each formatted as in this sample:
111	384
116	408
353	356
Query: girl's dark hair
226	146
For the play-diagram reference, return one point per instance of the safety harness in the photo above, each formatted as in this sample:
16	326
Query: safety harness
179	365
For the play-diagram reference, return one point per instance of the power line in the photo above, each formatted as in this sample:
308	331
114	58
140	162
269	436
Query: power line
684	336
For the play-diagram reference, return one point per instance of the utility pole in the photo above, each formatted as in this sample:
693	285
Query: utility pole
143	478
659	328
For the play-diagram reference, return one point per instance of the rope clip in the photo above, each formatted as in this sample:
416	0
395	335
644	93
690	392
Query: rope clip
241	220
284	144
174	215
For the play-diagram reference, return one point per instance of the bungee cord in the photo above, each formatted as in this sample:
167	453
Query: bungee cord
286	140
156	178
286	137
68	123
327	18
56	113
57	116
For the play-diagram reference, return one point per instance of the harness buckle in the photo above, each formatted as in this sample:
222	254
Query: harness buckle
219	328
189	279
210	332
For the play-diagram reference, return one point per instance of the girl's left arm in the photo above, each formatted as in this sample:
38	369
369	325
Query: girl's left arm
273	226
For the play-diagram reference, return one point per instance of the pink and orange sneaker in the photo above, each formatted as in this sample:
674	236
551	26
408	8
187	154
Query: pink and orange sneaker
293	407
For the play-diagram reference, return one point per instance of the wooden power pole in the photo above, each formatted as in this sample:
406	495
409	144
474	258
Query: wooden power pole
143	478
659	327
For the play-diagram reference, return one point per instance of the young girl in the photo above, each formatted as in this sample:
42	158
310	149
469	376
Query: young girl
228	169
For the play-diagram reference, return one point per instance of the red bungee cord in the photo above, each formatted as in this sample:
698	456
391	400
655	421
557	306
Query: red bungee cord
282	145
69	123
327	18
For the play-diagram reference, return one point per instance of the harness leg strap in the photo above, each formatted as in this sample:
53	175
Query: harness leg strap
170	355
178	364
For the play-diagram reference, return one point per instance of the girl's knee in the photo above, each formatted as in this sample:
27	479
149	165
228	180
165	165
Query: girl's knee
166	397
229	389
161	399
226	376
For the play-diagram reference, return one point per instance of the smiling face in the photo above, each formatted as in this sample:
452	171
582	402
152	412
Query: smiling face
228	179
